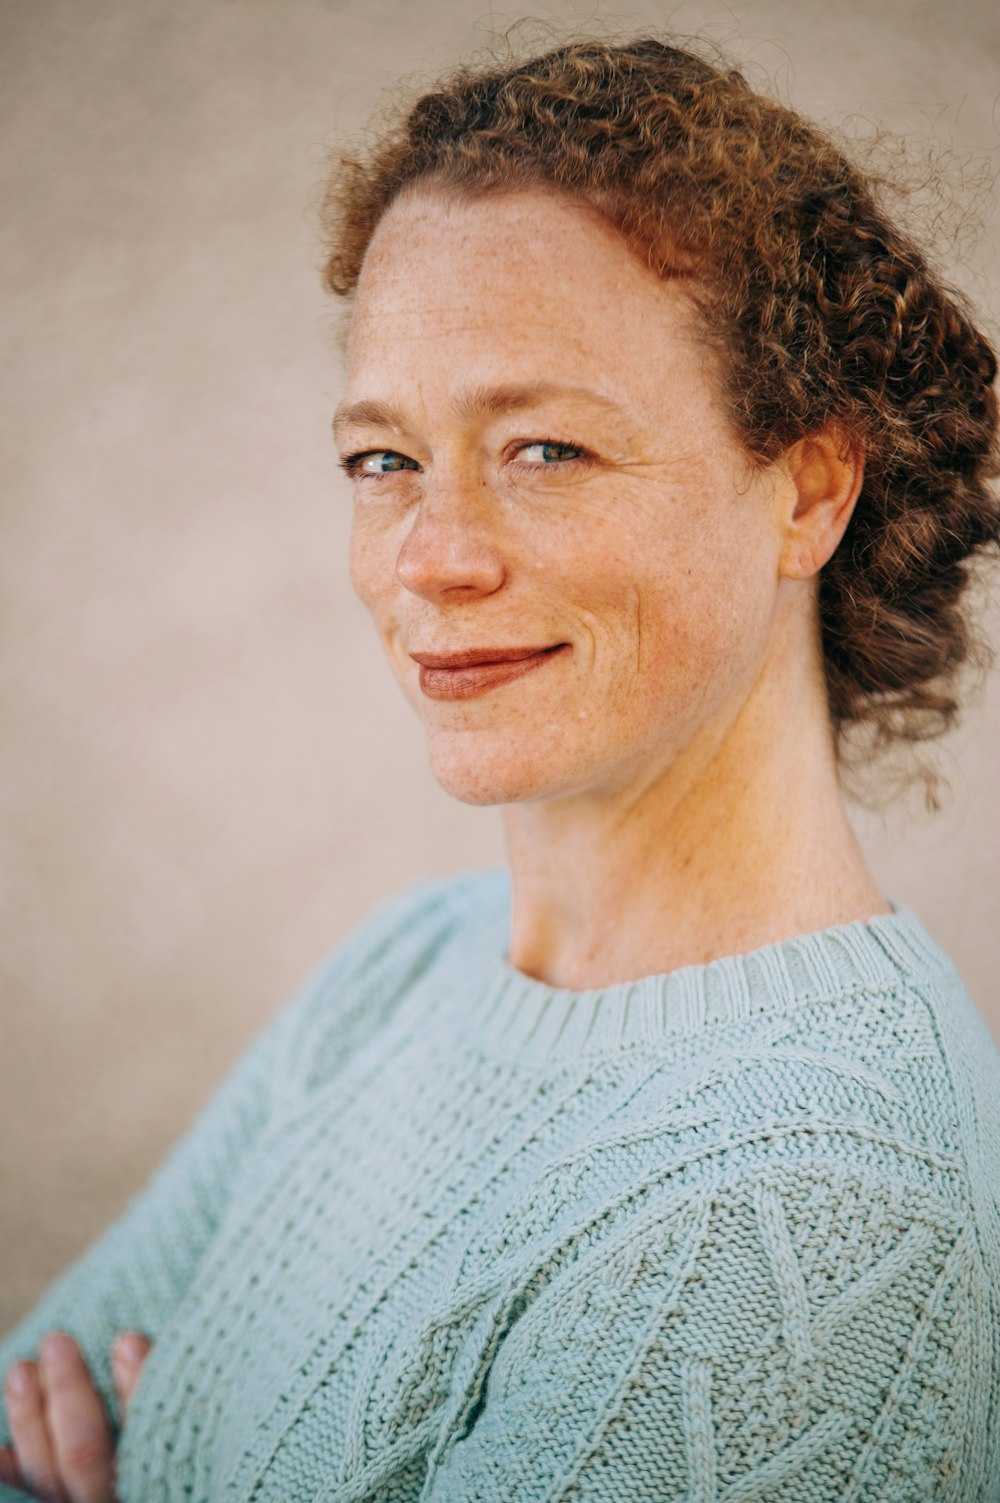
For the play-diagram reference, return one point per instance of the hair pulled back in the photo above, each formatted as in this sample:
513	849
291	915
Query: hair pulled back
822	309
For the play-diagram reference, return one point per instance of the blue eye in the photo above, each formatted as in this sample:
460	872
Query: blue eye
376	462
551	452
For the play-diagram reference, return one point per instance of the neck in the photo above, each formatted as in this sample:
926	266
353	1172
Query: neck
742	841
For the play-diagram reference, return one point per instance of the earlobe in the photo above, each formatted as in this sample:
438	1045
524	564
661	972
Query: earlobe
826	470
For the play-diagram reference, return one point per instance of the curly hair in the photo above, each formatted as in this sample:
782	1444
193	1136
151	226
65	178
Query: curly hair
823	310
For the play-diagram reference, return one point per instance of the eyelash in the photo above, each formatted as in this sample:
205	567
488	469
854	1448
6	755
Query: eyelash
350	464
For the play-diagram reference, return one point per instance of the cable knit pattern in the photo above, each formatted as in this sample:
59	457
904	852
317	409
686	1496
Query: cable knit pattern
726	1235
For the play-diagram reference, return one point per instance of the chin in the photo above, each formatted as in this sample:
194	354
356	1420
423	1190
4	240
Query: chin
494	775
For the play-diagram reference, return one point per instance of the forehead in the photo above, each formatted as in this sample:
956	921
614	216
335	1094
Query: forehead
525	285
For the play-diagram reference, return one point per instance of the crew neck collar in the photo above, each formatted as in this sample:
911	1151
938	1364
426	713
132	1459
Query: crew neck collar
518	1014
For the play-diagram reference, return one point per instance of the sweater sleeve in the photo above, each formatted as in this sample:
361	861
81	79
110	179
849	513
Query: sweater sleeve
808	1332
136	1273
137	1270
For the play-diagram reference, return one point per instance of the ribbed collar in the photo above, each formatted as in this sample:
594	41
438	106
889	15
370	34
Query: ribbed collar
516	1014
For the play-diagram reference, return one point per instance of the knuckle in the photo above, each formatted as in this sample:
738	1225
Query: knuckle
86	1454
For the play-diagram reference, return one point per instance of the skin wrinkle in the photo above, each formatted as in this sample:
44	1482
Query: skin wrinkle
637	679
477	401
816	305
677	762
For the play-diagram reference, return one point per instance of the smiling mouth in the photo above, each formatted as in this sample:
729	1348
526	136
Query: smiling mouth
463	675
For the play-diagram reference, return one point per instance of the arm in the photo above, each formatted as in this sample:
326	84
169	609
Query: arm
136	1273
811	1333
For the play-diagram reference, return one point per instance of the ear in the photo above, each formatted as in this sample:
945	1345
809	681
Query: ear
825	470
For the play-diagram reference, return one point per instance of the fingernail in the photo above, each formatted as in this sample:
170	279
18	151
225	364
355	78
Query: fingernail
57	1345
19	1381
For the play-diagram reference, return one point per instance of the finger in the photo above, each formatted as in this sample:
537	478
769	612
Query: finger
10	1472
28	1429
78	1425
128	1354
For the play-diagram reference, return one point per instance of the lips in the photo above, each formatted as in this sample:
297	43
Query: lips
476	655
463	675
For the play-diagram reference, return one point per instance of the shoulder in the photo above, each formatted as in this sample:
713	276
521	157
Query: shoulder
788	1237
414	926
363	979
852	1115
880	1057
893	1079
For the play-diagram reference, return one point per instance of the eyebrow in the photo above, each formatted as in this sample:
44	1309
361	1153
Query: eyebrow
476	401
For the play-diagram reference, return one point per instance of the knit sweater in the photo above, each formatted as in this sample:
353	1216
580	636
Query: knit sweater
445	1232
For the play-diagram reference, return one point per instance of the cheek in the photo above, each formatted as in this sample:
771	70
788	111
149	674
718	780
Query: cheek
703	617
371	564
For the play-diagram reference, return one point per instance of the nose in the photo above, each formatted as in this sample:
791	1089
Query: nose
451	551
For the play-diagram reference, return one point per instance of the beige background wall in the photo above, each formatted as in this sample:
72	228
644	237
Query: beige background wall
206	774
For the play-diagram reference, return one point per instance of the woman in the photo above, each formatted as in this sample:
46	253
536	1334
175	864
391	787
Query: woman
665	1165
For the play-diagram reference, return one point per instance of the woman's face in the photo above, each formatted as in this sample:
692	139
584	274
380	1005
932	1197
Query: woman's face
541	461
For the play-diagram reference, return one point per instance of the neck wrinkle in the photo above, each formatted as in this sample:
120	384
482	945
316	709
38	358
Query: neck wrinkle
742	841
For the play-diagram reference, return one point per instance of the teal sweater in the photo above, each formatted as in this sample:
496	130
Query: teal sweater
726	1235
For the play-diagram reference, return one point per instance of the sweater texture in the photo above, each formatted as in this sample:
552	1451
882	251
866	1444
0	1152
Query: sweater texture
444	1232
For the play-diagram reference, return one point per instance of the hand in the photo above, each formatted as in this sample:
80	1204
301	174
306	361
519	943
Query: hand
63	1451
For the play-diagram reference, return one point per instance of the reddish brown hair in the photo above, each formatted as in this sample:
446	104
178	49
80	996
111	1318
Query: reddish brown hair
822	308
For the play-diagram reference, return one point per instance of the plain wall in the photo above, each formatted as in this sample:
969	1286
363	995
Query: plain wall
206	773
